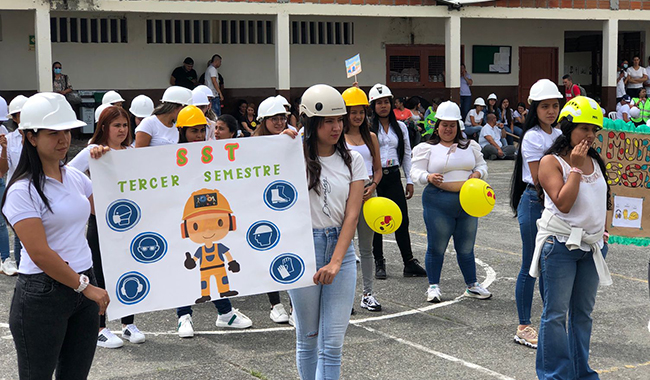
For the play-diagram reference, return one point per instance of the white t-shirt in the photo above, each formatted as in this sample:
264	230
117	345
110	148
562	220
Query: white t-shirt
364	151
211	72
65	225
620	84
624	108
210	129
478	118
328	208
533	146
487	130
159	132
14	150
453	163
636	74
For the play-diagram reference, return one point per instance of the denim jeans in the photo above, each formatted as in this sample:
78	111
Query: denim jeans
517	131
223	306
529	210
17	249
570	284
364	237
4	234
465	105
216	105
53	327
469	131
322	312
444	218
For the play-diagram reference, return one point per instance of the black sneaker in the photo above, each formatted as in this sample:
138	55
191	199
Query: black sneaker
414	269
380	269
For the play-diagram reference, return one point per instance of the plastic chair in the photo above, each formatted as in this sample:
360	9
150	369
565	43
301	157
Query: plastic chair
612	115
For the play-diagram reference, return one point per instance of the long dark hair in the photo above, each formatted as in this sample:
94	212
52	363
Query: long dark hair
508	111
30	167
562	146
103	124
463	143
310	145
54	75
364	129
231	122
392	120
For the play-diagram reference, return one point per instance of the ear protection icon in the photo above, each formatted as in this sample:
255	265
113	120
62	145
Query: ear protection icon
123	287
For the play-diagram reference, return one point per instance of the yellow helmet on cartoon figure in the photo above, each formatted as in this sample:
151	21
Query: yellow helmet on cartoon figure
582	109
206	201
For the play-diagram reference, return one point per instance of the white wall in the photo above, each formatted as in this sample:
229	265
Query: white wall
578	65
18	63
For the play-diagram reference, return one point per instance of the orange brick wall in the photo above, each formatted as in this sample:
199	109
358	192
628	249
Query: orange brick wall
578	4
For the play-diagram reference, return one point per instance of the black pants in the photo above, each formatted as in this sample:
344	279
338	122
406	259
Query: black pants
93	241
390	187
53	327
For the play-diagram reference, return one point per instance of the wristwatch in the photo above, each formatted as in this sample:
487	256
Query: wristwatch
83	282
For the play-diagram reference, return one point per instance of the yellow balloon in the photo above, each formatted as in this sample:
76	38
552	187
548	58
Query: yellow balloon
382	215
477	198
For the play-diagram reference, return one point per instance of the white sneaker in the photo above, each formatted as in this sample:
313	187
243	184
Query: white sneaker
292	321
8	267
185	326
234	320
279	314
434	294
132	334
107	339
369	302
477	291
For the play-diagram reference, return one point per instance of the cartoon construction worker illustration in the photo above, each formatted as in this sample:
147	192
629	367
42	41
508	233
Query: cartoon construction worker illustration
207	218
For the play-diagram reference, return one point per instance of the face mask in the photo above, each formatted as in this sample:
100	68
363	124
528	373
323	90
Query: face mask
57	71
625	65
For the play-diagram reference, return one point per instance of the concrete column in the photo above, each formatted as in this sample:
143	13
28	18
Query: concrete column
282	52
610	63
43	47
452	56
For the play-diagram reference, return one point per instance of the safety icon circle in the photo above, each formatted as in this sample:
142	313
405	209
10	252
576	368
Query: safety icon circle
148	247
263	235
122	215
132	287
280	195
287	268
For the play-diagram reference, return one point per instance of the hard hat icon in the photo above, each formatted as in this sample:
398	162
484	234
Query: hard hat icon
148	247
122	215
263	234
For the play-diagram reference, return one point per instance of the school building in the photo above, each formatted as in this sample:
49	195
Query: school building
284	46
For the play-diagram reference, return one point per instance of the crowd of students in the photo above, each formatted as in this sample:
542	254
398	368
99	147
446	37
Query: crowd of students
354	140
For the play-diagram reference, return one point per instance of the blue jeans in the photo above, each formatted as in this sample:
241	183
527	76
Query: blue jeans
517	131
322	312
216	105
465	105
469	131
223	306
4	234
570	284
444	218
17	248
529	210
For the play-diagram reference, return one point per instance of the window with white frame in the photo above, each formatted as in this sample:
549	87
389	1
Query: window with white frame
322	33
88	30
169	31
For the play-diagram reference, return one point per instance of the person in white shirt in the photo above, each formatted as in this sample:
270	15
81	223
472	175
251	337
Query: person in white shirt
475	118
53	317
395	152
623	108
212	81
444	163
335	178
159	129
491	141
637	76
622	77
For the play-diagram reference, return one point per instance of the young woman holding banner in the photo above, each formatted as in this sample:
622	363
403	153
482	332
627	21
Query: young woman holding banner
158	129
53	317
335	177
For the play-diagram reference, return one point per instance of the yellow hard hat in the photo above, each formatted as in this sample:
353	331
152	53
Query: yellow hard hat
190	116
206	201
582	109
354	96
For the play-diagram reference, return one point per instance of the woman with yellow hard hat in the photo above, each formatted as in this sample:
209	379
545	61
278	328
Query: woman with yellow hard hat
571	242
191	124
359	138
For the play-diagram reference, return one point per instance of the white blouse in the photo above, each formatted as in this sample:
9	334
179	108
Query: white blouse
454	163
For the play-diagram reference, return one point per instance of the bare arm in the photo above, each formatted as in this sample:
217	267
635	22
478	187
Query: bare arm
4	162
534	167
142	139
215	83
172	81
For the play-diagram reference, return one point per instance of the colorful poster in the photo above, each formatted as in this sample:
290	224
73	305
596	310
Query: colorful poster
353	66
627	212
190	223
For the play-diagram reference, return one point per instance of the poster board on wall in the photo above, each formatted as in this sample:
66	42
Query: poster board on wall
491	59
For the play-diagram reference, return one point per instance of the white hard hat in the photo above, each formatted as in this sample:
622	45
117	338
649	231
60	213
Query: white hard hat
448	111
479	102
262	229
111	97
199	98
204	89
543	89
141	106
100	109
48	110
322	100
270	106
4	110
635	112
492	96
283	100
178	95
379	91
16	104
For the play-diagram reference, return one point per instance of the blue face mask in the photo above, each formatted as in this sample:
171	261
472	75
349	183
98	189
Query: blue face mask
57	71
625	65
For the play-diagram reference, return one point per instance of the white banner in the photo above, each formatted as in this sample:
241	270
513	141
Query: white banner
188	223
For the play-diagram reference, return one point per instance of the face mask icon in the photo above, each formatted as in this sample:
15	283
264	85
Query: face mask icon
122	215
148	248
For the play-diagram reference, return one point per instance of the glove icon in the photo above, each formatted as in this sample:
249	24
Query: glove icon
233	266
189	261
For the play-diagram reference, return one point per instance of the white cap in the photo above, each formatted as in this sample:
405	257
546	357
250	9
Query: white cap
48	110
492	96
543	89
204	89
199	98
322	100
141	106
448	111
100	109
4	110
270	106
178	95
479	102
283	100
111	97
379	91
16	104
